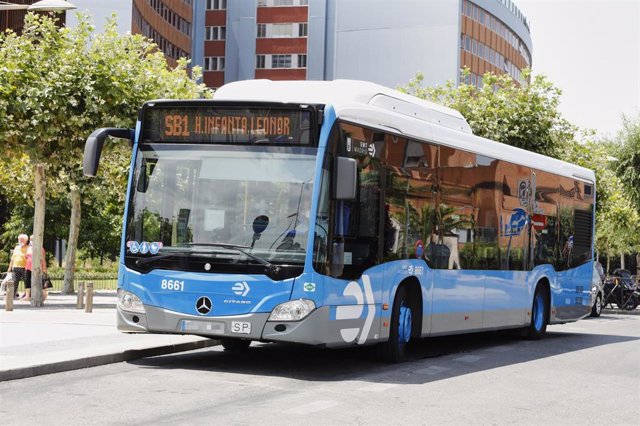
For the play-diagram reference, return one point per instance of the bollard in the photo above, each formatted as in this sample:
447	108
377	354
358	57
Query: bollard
8	298
80	300
89	297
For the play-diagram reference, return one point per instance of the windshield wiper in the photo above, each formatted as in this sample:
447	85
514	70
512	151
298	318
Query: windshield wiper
144	261
270	268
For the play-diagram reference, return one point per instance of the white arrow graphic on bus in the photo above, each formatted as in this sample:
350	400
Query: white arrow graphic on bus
241	289
355	311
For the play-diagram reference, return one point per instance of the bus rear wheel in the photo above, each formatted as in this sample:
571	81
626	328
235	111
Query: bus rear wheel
539	315
235	345
394	349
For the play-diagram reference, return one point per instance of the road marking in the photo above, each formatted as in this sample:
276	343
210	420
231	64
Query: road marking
433	370
377	387
468	358
313	407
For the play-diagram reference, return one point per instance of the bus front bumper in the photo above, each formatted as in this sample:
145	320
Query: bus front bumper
312	330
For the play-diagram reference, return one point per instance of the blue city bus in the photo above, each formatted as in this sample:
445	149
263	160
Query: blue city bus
342	213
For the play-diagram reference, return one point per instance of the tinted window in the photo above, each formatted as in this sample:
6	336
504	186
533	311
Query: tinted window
409	219
488	195
455	213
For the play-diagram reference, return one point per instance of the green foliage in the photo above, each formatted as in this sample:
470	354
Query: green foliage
628	157
57	86
525	116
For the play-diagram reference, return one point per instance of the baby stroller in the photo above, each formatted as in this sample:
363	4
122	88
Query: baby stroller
619	289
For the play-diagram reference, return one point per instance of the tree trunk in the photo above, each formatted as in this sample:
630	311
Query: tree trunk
608	264
72	244
622	261
40	186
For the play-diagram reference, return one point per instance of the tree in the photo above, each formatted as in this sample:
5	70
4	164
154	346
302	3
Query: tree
58	85
525	116
627	154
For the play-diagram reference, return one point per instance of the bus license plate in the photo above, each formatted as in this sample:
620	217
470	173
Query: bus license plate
203	326
241	327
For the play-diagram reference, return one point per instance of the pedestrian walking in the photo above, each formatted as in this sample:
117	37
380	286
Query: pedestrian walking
18	263
28	270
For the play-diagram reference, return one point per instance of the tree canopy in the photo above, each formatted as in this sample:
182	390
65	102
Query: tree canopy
525	116
58	85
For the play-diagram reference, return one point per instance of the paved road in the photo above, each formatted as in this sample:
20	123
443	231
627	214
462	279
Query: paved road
582	373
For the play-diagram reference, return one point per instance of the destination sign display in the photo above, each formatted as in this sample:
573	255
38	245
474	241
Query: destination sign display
195	124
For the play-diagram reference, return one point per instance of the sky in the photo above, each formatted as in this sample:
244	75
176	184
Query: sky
100	10
591	50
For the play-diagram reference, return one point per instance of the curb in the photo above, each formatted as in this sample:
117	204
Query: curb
620	311
94	361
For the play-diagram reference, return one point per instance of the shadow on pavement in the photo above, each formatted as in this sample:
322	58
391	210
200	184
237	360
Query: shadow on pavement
428	360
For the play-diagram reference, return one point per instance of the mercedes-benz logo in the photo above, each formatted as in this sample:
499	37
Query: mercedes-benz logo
204	305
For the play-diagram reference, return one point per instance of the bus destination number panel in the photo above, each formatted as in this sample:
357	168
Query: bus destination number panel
260	126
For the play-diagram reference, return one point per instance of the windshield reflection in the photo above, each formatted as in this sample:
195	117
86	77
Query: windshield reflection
203	200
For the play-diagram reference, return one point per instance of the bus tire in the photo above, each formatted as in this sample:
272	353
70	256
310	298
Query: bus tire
596	310
539	314
235	345
394	349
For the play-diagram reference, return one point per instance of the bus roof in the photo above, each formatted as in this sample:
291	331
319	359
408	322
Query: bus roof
376	105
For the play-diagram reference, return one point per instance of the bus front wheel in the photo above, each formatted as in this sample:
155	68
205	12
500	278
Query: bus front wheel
394	349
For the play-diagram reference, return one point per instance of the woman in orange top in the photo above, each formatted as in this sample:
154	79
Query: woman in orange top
29	267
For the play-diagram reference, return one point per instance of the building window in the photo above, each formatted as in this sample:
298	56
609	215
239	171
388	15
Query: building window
302	61
216	4
262	30
215	33
260	61
214	63
277	3
281	61
302	30
281	30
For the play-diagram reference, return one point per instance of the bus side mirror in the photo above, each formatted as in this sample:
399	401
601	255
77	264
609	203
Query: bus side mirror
346	178
93	147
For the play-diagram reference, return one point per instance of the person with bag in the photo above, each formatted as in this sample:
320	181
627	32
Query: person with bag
18	262
46	282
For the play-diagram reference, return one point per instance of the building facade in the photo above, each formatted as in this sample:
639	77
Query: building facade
13	19
382	41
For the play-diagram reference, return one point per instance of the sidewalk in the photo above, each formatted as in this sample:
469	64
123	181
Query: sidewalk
58	337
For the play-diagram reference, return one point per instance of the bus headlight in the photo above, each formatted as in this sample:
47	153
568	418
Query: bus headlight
294	310
129	302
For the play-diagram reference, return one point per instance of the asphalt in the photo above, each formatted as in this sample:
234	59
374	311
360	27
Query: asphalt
58	337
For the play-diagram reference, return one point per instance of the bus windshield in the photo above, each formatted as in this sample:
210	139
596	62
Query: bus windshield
231	204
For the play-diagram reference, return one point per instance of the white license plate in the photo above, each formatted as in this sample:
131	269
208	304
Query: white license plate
240	327
203	326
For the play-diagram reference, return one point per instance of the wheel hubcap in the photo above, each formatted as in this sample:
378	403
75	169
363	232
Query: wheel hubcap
404	324
538	312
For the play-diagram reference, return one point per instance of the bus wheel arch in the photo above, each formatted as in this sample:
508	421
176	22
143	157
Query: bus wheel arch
540	310
405	320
